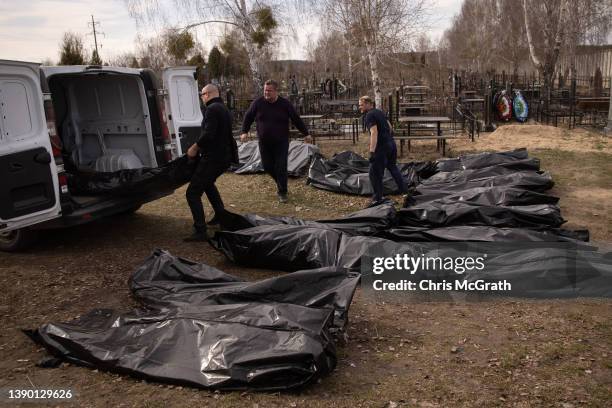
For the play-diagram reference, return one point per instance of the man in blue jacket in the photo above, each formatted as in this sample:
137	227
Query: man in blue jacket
383	151
272	114
218	150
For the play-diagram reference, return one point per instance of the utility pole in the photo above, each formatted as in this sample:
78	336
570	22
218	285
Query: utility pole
93	27
95	33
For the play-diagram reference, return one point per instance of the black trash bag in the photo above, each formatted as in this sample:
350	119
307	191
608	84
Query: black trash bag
347	172
550	272
543	270
529	180
485	196
353	248
441	214
165	281
462	176
208	329
298	161
280	247
483	233
480	160
363	222
135	181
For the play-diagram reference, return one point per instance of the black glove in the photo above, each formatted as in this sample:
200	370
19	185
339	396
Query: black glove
371	157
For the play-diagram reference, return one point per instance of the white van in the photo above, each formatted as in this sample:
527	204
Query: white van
66	121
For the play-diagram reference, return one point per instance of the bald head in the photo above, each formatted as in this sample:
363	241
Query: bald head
209	91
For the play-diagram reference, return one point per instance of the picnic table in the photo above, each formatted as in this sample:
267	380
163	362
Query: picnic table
413	104
472	100
410	133
311	119
423	87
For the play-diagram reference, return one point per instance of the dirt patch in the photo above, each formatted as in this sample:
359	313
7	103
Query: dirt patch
493	353
537	137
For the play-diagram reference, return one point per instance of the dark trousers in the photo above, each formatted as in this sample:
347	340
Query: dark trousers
274	159
385	157
203	181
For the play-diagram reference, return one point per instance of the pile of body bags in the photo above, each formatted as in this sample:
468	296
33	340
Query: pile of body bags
496	201
201	327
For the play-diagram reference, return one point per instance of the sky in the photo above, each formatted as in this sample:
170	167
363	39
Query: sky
32	30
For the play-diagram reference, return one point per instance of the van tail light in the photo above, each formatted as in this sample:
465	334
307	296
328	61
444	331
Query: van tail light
165	132
56	142
63	182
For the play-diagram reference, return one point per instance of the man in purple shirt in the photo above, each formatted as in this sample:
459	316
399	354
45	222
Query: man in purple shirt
272	114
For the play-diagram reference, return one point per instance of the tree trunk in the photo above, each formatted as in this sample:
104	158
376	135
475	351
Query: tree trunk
350	68
245	29
373	59
253	65
546	91
532	52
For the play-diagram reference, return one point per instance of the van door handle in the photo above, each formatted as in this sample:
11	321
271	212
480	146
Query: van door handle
43	158
16	167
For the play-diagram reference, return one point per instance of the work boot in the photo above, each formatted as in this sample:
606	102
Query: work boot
282	198
374	203
215	220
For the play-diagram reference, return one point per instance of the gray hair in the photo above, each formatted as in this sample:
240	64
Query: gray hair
273	83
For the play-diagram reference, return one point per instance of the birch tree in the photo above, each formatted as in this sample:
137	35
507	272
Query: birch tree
545	37
382	26
254	20
552	26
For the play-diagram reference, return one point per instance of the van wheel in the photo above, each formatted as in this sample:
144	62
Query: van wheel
17	240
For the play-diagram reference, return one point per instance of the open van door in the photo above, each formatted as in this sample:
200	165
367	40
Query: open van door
29	192
182	103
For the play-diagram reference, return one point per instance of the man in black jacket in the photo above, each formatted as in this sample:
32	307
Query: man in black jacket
272	114
218	150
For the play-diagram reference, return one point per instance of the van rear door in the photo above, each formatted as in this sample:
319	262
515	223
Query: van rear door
182	102
29	192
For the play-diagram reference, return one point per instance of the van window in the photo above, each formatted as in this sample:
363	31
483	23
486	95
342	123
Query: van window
187	94
109	97
16	120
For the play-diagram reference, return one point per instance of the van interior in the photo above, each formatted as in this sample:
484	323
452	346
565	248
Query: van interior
103	121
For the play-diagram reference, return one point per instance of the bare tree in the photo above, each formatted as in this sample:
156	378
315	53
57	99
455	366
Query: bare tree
588	22
554	25
152	53
254	20
382	26
545	38
125	59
